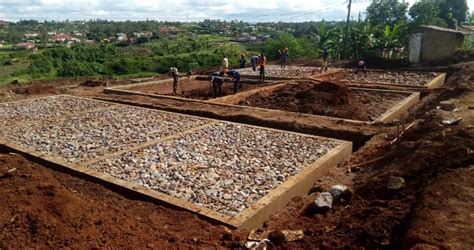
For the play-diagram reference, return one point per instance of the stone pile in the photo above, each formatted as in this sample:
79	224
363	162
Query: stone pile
288	71
224	167
407	78
96	133
53	106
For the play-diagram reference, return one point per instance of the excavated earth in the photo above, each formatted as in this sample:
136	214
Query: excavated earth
328	99
194	89
46	208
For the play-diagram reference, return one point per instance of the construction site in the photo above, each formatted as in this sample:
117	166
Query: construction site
128	164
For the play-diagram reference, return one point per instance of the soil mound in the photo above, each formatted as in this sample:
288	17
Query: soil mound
325	98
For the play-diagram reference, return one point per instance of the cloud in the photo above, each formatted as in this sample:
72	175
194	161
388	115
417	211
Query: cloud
180	10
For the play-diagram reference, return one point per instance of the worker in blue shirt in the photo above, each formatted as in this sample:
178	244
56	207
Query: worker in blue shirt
235	79
217	79
254	61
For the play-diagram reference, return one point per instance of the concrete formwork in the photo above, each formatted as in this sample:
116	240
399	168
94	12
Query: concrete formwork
253	216
231	100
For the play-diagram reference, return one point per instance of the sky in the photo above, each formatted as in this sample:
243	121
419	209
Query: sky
184	10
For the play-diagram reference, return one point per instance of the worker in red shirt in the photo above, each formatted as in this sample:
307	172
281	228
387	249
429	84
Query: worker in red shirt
262	60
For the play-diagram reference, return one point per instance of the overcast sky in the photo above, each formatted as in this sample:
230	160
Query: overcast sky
183	10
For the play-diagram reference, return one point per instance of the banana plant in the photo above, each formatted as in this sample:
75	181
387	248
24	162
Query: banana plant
390	40
326	37
361	39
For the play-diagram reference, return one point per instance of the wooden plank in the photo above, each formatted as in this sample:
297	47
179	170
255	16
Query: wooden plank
399	109
437	82
144	84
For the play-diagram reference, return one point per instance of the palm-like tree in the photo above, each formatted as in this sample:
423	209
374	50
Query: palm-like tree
327	37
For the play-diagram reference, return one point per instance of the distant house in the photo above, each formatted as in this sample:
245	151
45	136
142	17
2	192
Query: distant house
61	37
3	24
122	37
143	34
434	44
170	30
26	45
31	35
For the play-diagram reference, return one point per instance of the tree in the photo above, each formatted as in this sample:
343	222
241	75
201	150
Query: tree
454	12
386	12
330	38
361	39
426	13
393	38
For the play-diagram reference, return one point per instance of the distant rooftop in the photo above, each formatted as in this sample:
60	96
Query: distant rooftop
444	29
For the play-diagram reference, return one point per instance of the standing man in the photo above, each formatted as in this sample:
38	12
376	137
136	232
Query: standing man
262	60
235	79
280	57
324	65
284	57
360	67
225	64
254	61
175	74
242	61
217	78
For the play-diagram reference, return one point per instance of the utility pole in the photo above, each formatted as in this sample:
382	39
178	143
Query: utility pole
346	36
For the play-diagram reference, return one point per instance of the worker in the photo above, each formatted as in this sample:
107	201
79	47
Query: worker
284	57
175	74
242	61
254	61
324	65
262	60
217	79
280	57
360	67
235	79
225	64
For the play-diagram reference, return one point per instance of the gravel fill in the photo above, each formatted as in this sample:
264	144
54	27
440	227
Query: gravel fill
224	167
406	78
288	71
53	106
96	133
